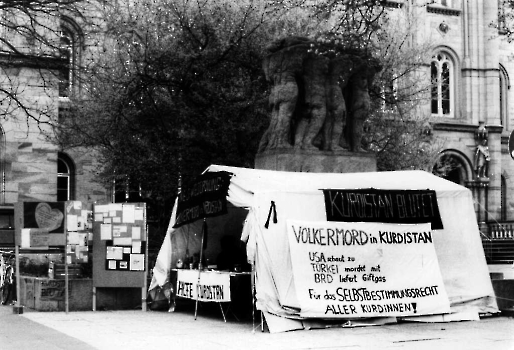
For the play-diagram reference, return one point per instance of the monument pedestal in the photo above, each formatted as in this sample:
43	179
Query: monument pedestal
315	161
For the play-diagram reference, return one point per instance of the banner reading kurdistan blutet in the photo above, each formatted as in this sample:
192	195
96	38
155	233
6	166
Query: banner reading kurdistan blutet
348	270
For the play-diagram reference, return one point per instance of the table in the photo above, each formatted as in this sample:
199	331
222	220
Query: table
223	287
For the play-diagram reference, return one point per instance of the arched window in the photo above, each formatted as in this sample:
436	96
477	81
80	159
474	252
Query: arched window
502	23
69	50
453	166
2	165
66	53
442	77
65	178
504	87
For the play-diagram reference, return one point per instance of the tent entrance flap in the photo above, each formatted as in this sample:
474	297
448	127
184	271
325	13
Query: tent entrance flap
222	247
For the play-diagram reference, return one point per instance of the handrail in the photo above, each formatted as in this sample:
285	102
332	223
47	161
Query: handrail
497	230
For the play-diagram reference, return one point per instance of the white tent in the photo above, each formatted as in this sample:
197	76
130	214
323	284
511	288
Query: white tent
298	196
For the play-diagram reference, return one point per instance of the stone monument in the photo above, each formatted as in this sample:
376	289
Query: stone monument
319	103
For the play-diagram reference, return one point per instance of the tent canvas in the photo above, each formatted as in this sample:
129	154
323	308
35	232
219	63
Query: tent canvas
298	196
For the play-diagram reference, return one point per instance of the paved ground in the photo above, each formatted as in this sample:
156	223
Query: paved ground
20	333
153	330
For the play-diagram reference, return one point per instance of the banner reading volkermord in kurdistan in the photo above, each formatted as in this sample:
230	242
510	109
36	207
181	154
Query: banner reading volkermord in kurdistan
344	269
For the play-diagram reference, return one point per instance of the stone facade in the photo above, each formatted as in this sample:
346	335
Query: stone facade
28	160
479	61
30	169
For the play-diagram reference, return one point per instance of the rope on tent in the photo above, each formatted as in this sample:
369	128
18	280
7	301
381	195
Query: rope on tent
494	220
508	299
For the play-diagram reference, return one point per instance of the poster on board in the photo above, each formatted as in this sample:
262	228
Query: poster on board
44	215
344	269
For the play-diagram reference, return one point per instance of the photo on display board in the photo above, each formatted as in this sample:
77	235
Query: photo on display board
137	262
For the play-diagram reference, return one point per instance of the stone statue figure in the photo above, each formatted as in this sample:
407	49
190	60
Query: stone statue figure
315	71
360	103
482	159
308	104
282	67
339	73
482	155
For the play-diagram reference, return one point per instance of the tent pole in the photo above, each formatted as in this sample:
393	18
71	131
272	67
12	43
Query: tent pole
252	283
200	265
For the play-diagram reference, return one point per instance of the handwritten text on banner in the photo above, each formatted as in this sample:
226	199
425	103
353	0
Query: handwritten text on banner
212	287
391	206
206	197
365	269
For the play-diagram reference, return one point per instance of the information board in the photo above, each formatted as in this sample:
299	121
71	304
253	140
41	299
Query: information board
119	245
79	232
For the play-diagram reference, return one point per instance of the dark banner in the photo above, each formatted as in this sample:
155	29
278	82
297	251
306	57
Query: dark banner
390	206
206	197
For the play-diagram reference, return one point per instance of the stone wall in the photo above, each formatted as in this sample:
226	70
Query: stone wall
44	294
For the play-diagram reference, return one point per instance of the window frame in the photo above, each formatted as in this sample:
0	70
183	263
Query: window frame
69	176
464	168
503	97
438	61
70	31
502	22
67	53
3	147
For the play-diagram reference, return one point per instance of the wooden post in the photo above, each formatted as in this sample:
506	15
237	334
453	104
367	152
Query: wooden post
94	298
200	265
66	281
145	286
17	309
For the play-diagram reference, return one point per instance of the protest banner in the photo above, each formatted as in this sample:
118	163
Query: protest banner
351	270
385	206
212	286
206	197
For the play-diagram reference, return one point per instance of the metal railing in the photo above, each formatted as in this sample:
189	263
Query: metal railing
498	241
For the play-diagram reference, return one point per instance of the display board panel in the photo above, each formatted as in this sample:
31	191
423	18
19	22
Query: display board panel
119	245
78	228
